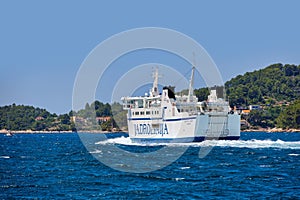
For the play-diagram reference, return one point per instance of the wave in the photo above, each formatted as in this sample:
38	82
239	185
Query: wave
294	154
6	157
254	144
212	143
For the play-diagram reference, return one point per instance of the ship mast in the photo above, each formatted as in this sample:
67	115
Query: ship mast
191	86
154	90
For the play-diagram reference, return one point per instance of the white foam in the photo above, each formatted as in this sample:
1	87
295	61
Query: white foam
179	179
185	167
253	144
119	140
294	154
127	141
211	143
96	151
6	157
265	166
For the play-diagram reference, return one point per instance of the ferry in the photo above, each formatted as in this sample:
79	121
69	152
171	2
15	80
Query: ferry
169	118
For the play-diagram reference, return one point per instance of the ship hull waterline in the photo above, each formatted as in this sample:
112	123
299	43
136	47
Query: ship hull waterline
185	130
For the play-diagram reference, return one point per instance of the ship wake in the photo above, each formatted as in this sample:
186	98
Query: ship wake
253	144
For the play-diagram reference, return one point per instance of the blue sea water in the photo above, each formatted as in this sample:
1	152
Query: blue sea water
59	166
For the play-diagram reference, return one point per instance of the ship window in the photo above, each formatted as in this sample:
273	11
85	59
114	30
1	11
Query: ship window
142	113
137	113
132	113
147	112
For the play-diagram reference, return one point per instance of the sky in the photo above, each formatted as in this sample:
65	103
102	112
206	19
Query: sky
44	43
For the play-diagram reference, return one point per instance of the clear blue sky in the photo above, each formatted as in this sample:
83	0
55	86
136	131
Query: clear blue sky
43	43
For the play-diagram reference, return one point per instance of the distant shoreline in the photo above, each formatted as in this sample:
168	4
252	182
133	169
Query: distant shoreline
58	132
273	130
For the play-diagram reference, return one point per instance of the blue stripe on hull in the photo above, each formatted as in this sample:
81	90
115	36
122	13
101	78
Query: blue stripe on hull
164	120
201	139
181	140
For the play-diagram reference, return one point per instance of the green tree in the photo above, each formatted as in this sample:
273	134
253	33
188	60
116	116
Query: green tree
201	94
290	116
64	119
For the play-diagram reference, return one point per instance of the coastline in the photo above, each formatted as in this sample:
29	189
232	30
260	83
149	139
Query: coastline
267	130
57	132
272	130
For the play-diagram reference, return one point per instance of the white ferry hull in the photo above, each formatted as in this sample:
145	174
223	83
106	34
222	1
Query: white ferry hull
191	129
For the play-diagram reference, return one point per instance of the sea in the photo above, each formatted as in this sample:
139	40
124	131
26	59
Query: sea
260	165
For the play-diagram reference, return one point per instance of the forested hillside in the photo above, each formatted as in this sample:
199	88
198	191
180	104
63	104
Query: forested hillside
267	86
95	116
290	116
275	88
20	117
